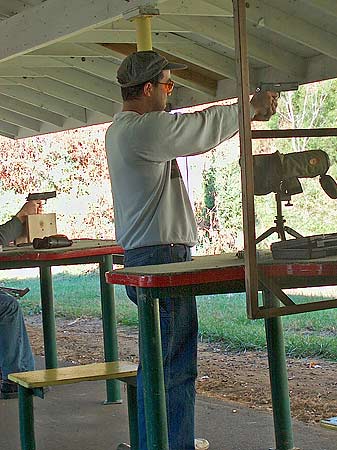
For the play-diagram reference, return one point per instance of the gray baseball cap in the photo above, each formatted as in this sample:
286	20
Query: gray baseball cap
139	67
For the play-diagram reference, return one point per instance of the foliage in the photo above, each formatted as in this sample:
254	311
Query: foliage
74	164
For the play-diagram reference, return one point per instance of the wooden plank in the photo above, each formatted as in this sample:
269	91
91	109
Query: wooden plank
247	177
75	374
55	20
289	133
267	313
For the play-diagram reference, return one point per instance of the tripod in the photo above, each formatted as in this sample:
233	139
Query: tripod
279	221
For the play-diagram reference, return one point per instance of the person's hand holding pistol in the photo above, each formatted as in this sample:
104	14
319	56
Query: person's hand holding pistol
29	208
264	104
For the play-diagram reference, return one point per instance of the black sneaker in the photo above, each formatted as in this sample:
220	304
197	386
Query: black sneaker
8	390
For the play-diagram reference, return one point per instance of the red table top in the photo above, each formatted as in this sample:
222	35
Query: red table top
217	268
80	248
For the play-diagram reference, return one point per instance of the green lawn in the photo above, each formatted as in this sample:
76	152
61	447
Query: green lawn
222	318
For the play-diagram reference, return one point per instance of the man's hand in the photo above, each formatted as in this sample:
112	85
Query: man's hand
29	208
264	104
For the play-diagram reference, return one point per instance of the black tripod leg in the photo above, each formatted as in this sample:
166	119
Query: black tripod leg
293	232
266	234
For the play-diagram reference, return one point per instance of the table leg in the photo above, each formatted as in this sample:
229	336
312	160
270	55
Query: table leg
278	377
153	373
109	329
48	317
26	414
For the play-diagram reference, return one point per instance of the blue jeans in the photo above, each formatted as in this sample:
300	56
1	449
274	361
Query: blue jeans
15	351
179	334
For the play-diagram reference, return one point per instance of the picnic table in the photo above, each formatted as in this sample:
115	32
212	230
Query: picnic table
105	253
213	275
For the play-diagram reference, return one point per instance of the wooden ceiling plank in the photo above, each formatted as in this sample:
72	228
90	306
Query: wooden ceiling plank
69	93
200	56
290	26
88	83
223	33
31	111
95	66
191	8
54	20
46	102
327	6
8	129
19	120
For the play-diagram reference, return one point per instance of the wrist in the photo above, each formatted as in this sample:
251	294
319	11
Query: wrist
21	217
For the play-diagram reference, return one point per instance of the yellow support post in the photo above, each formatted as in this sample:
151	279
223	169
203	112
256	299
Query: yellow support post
143	33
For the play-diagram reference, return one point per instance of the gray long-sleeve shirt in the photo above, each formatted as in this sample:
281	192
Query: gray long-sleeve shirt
10	231
151	203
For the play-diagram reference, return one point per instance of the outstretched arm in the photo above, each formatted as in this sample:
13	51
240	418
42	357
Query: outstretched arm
14	227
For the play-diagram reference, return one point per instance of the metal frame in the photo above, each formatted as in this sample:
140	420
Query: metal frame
247	178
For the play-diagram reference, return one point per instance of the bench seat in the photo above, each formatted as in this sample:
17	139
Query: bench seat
74	374
33	382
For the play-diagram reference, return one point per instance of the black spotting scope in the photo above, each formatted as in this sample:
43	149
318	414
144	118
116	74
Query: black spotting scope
280	173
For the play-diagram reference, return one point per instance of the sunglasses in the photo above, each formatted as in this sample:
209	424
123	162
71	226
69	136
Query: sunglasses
168	86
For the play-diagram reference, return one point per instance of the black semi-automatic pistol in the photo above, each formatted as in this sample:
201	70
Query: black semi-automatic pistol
278	87
41	195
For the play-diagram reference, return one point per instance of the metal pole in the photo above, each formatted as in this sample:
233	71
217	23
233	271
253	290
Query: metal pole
109	329
153	372
26	414
278	377
48	317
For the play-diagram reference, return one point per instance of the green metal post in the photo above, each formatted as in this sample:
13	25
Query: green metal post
278	377
133	416
26	415
109	329
153	373
48	317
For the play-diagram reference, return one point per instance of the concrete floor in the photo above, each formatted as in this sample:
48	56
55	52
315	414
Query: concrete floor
72	417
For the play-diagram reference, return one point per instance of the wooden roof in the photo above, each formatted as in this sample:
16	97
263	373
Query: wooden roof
58	58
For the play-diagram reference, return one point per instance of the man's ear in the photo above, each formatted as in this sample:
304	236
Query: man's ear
148	89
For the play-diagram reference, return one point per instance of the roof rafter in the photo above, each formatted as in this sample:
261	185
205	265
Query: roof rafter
328	6
20	120
266	16
31	111
54	20
69	93
46	103
218	31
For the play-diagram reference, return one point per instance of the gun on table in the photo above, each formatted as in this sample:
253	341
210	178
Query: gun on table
41	195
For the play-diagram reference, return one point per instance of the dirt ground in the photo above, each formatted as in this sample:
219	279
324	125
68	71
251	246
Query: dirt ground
239	377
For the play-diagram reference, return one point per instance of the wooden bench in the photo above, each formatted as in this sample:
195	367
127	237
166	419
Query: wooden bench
32	383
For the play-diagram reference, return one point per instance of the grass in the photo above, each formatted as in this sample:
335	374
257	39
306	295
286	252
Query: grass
222	318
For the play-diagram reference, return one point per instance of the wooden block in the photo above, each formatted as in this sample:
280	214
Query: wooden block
75	374
38	226
41	225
